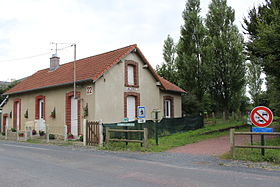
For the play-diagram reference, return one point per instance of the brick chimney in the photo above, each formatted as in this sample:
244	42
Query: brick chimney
54	62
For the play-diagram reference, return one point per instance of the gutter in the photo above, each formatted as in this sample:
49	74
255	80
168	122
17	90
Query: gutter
4	101
46	87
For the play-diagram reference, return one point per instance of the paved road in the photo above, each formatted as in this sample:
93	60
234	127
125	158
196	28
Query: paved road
43	165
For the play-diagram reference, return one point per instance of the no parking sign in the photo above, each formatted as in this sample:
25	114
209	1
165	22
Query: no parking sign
261	116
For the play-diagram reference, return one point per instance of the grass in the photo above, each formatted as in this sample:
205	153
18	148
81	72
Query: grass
175	140
248	154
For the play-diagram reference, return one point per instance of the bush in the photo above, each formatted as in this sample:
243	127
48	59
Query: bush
34	132
51	136
41	133
13	129
82	138
3	133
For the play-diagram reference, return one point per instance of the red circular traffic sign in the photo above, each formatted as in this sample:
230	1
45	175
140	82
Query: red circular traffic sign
261	116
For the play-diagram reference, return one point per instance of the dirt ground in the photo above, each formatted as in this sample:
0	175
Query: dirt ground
214	146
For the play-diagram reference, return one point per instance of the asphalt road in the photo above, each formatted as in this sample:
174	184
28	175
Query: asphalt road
43	165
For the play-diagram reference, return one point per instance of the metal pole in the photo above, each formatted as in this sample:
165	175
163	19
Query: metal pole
74	71
156	124
262	143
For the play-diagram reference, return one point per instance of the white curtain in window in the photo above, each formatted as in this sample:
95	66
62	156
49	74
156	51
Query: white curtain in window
130	74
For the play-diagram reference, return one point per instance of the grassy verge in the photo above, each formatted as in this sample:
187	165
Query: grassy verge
175	140
248	154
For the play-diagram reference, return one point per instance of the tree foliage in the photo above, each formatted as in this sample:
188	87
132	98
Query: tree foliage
168	70
190	64
226	61
263	29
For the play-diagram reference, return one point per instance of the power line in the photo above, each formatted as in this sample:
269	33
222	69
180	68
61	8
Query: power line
33	56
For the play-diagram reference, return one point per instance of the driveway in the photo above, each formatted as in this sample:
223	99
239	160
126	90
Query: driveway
215	146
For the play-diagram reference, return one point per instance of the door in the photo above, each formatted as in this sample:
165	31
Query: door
74	116
5	123
41	120
131	108
17	115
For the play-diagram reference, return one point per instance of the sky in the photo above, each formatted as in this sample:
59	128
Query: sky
28	28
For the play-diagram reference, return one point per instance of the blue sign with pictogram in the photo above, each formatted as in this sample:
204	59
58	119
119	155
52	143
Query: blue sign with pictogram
141	112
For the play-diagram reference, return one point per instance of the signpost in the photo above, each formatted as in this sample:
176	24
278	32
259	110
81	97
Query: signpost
141	114
261	117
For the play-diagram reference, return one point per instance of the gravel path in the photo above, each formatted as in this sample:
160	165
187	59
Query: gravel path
214	146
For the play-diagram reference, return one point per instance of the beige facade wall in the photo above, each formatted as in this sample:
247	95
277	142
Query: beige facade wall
54	98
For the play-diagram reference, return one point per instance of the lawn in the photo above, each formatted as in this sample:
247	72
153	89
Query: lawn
175	140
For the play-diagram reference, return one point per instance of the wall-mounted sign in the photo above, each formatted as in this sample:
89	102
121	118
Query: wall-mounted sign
89	90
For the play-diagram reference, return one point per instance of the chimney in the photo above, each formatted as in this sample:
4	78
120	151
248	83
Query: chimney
54	62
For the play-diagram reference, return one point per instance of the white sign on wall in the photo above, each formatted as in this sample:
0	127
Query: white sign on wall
89	90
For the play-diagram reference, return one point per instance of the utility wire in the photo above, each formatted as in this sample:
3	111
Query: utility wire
34	56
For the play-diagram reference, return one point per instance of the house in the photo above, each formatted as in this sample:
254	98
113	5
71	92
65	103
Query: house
109	87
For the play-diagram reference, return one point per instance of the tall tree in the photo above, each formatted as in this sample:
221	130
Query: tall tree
263	29
190	64
168	70
224	55
254	80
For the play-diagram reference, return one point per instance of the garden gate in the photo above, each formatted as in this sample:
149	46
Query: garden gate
92	133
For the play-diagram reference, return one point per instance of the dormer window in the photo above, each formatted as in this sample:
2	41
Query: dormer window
131	74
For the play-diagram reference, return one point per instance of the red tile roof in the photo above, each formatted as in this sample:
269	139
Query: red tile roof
90	68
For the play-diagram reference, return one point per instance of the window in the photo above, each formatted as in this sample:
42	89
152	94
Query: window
17	113
168	106
40	102
131	101
131	74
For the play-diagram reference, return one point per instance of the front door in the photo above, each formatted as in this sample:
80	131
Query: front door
5	123
131	108
41	120
74	116
17	115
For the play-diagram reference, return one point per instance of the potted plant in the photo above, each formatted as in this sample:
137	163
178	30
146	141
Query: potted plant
13	129
70	136
51	136
41	133
34	132
21	134
53	114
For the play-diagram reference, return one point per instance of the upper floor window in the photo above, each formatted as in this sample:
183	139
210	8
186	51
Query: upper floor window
131	74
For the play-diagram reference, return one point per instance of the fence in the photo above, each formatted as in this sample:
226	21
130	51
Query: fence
144	141
262	146
166	126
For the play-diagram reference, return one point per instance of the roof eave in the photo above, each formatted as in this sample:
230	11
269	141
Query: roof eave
47	87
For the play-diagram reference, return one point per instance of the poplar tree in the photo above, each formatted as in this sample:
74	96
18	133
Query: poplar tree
224	56
168	70
190	61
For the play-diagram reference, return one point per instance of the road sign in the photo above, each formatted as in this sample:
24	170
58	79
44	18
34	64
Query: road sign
141	112
261	116
141	120
257	129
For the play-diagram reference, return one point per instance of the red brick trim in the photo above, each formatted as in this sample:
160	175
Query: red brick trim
136	73
171	99
37	99
68	110
5	116
137	99
18	100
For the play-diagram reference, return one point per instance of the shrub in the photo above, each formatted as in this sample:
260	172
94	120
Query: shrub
34	132
82	138
41	133
13	129
3	133
51	136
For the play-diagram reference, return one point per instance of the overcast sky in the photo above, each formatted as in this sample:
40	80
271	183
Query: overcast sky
27	28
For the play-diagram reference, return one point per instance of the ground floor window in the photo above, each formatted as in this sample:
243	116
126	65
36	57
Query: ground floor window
131	101
168	107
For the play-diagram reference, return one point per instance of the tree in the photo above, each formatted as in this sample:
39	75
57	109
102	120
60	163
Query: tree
263	29
3	89
254	80
168	70
190	64
224	55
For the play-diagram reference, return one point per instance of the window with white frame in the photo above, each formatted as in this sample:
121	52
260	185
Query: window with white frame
130	74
